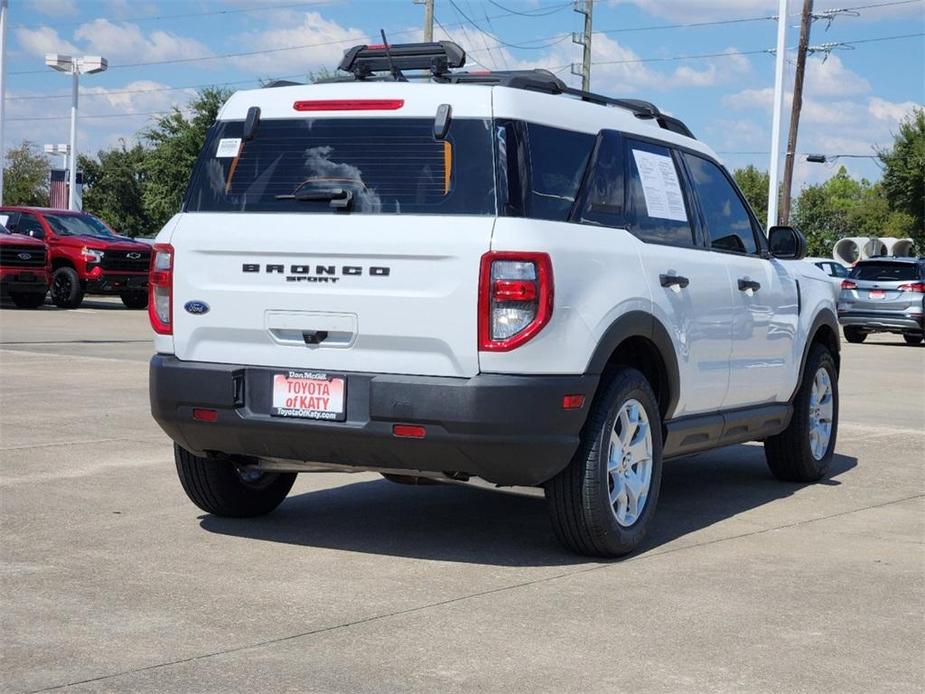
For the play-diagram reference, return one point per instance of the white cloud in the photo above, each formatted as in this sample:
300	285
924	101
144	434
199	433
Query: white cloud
55	8
882	109
705	10
125	42
38	42
831	78
324	42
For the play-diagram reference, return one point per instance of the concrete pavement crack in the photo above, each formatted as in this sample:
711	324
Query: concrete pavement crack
461	598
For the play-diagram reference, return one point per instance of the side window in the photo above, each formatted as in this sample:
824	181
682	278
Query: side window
558	159
29	225
604	188
728	224
656	205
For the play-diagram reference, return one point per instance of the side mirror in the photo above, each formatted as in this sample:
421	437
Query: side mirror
786	243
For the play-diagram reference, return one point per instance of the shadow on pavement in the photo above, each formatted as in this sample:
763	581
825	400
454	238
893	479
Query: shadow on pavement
86	303
506	527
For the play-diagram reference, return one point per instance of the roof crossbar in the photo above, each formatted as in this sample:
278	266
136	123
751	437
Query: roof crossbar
438	57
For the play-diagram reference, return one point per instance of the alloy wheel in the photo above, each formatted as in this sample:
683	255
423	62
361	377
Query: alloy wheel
629	463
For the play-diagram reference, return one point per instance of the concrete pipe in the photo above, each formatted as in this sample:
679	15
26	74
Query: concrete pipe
899	248
848	250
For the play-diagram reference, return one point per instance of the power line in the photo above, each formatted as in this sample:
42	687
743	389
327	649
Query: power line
532	13
101	115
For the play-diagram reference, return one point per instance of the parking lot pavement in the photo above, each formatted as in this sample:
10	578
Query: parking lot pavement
113	581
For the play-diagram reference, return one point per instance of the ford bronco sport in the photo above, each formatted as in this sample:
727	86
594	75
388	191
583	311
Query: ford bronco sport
87	257
478	275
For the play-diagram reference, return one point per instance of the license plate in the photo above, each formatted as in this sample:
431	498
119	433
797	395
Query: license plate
876	294
309	395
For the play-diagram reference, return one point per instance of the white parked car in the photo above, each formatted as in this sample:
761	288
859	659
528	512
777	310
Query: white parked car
832	269
478	275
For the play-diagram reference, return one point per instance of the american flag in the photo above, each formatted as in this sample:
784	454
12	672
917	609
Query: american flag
57	191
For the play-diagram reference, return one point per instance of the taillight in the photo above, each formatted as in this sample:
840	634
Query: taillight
848	284
917	287
515	298
160	289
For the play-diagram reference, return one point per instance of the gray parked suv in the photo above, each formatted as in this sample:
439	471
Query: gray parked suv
884	295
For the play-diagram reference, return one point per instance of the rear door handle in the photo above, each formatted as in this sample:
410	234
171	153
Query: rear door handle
745	285
673	281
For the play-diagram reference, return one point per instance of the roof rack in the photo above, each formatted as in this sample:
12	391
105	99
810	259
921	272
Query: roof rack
440	56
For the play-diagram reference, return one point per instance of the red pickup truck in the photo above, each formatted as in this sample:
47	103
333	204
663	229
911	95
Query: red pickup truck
24	267
87	257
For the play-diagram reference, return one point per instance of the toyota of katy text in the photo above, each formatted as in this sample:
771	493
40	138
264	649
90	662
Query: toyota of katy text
23	269
478	275
87	257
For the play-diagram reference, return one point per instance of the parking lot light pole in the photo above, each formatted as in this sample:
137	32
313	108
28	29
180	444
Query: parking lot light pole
87	64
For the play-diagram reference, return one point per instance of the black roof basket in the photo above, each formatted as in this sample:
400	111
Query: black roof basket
438	57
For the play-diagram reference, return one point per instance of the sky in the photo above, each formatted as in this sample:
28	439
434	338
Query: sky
717	77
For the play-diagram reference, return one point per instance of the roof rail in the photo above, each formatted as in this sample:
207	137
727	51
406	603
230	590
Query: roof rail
439	57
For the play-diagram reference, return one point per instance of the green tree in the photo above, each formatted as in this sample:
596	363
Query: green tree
175	141
844	206
114	189
25	176
754	184
904	173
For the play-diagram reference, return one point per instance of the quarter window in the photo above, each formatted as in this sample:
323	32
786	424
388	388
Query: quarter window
658	210
557	164
728	224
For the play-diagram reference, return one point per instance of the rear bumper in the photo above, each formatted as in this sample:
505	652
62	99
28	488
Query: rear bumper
506	429
881	320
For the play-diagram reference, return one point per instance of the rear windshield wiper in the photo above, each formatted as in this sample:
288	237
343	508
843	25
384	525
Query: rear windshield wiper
337	197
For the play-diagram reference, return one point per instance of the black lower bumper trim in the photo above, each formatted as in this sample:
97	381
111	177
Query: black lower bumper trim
506	429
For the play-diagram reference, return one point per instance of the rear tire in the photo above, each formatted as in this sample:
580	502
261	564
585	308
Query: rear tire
217	487
27	299
619	459
66	290
797	453
910	338
134	300
854	335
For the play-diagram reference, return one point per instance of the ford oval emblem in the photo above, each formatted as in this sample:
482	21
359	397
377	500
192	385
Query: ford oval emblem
197	308
24	256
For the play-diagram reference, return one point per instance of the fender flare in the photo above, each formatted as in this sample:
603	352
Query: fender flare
640	324
828	318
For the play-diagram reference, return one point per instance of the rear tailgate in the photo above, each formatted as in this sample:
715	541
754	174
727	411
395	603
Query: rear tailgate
362	293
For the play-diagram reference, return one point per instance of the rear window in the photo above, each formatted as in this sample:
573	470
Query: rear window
885	272
358	165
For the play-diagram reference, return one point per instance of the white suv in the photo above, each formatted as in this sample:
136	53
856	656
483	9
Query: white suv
478	275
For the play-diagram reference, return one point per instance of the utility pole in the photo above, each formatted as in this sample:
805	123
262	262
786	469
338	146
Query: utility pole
584	7
776	111
805	24
428	18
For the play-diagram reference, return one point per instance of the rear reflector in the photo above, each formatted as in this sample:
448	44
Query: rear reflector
572	402
349	105
201	414
408	431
